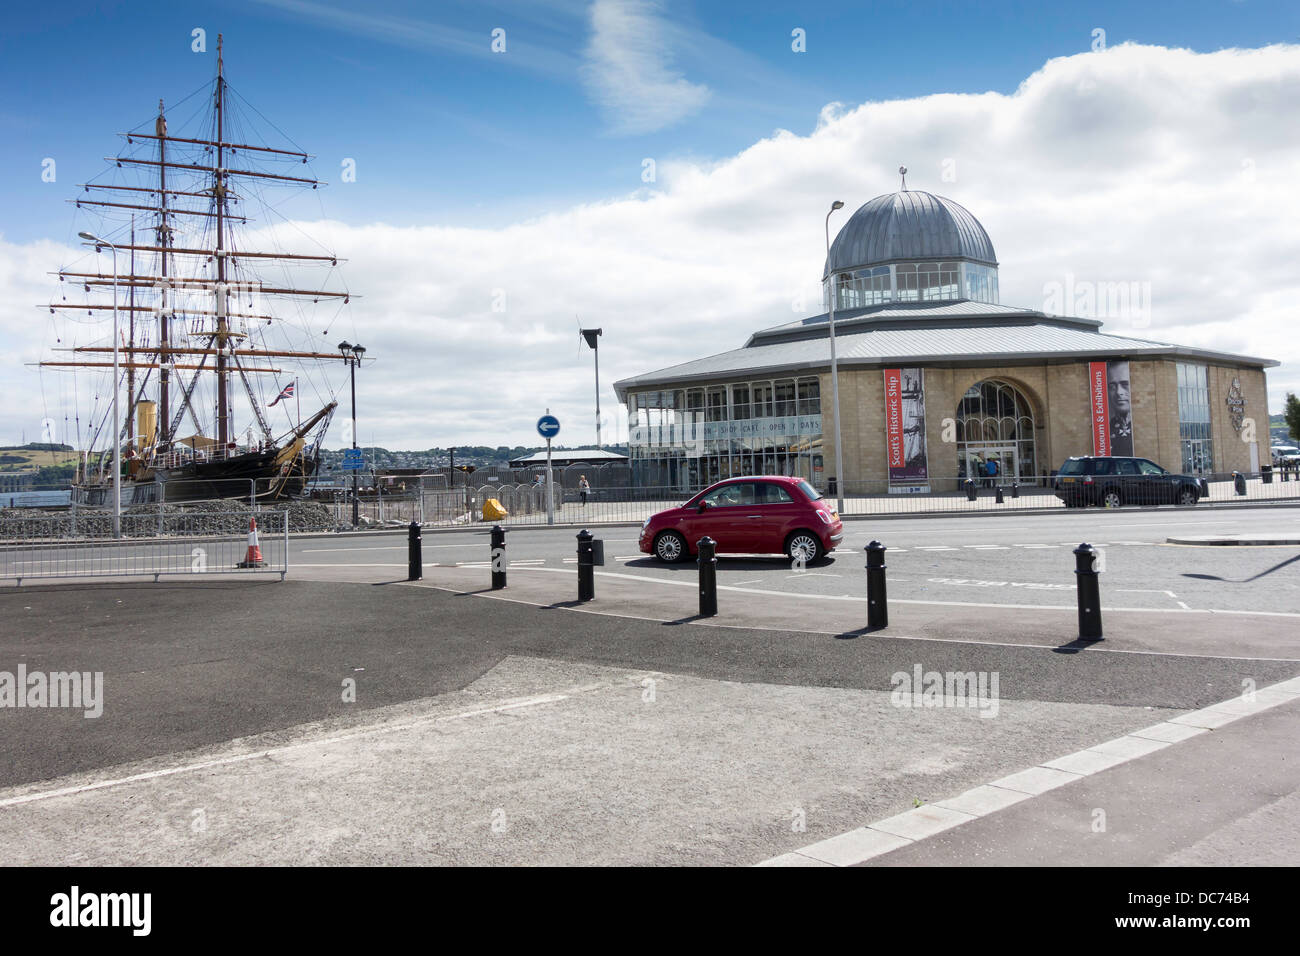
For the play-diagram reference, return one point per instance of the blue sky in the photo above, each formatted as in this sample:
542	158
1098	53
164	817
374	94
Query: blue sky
484	178
413	93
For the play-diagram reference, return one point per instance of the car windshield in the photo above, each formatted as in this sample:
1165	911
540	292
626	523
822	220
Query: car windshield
812	493
1073	466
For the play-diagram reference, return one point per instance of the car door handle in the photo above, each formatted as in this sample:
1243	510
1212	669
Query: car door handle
754	516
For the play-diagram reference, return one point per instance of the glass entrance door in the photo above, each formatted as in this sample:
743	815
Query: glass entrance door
1003	458
1197	456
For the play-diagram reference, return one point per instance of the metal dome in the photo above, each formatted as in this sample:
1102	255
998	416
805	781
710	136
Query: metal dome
910	225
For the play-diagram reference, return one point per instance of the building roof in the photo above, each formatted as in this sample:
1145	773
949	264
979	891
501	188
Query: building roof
911	224
946	334
593	455
907	313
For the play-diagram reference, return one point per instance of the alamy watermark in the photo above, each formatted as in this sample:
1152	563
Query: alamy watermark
76	690
1129	301
922	688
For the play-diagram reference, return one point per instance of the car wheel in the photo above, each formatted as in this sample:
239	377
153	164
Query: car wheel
1188	497
1111	499
670	547
803	546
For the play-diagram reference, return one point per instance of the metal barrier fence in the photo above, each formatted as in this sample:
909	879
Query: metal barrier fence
526	505
77	546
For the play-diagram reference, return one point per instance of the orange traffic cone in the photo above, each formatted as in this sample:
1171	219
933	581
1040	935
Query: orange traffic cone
254	557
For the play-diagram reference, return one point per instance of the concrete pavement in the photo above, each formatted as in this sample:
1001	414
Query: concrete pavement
346	716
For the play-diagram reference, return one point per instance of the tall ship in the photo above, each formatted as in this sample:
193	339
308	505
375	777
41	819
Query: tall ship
217	322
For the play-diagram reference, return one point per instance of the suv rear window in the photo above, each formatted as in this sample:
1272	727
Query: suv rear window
1074	466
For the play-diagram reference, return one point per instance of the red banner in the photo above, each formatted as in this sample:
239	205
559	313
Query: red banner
894	416
1099	403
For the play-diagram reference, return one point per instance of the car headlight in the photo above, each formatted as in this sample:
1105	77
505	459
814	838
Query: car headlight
645	524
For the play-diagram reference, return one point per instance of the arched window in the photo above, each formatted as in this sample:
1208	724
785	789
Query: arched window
995	423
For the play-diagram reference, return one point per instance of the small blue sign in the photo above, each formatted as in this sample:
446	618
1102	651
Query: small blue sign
548	426
352	453
353	464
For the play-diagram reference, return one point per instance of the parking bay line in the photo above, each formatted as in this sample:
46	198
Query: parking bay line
606	612
1073	608
395	547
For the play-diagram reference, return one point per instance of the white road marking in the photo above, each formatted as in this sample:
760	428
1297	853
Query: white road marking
883	836
245	757
426	547
988	547
1038	546
836	597
935	548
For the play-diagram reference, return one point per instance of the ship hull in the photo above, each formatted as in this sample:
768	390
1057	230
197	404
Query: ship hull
234	477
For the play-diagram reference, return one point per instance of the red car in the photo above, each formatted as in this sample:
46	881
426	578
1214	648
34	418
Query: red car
753	515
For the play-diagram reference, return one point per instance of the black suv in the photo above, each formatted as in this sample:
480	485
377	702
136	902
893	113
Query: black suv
1112	482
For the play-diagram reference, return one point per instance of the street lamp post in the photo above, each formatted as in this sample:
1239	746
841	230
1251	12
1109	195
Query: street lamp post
352	355
592	336
117	422
835	368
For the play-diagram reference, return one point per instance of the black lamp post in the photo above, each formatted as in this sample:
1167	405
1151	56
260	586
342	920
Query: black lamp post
352	355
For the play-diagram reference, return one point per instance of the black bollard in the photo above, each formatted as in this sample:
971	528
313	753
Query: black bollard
877	599
1015	489
586	567
1239	482
999	499
970	490
1089	592
414	553
708	562
498	539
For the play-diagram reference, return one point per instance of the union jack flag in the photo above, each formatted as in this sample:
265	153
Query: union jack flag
287	393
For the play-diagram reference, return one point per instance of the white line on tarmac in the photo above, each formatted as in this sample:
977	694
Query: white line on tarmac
426	547
836	597
912	826
243	758
605	612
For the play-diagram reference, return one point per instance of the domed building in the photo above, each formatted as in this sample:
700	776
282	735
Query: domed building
938	380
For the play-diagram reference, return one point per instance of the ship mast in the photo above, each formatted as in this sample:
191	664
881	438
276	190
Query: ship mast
164	236
219	291
130	372
221	342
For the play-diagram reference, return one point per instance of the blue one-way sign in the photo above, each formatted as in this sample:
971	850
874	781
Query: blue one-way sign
548	426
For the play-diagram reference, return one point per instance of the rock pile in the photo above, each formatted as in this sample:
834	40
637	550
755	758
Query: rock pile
208	518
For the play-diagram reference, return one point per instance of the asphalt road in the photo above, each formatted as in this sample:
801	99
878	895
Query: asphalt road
592	737
1017	559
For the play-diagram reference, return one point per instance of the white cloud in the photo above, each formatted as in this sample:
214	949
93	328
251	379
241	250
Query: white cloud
628	72
1134	164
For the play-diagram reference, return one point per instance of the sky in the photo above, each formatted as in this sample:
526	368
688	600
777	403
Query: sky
499	172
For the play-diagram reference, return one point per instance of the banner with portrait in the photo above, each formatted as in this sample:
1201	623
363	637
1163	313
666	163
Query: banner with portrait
1110	397
905	430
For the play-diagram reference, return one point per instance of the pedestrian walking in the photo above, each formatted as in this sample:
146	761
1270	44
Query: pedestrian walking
584	487
992	466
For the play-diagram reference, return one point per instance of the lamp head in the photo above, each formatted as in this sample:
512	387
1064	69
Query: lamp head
836	205
345	346
88	237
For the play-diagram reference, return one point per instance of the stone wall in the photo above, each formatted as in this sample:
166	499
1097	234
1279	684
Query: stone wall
1059	396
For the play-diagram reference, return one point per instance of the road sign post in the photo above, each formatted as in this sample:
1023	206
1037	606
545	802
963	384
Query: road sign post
548	426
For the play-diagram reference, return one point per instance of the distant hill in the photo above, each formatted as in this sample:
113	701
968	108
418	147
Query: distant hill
35	455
